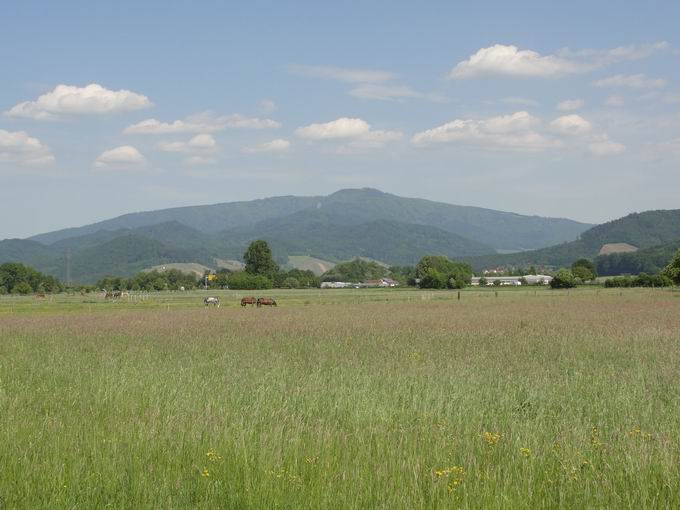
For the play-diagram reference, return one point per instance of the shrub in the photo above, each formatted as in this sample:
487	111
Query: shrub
22	288
564	279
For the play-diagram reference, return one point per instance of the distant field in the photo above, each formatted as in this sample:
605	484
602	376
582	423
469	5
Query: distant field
304	262
394	399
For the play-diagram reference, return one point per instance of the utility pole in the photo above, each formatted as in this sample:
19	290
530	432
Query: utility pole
68	267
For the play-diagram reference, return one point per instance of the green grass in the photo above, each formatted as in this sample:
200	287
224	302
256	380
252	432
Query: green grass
343	399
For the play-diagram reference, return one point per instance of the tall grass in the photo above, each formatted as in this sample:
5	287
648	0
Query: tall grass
521	401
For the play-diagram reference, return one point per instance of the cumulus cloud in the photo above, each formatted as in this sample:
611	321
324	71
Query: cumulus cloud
631	81
120	157
500	59
344	74
356	133
603	146
205	122
278	145
343	127
18	147
571	125
200	143
73	100
518	131
569	105
509	60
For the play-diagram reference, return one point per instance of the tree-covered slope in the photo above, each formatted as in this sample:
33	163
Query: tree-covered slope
500	230
643	230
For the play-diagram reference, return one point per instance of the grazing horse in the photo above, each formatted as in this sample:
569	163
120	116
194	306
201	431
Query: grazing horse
263	301
40	295
114	294
211	301
250	300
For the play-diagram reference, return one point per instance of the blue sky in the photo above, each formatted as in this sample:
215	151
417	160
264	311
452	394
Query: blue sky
570	110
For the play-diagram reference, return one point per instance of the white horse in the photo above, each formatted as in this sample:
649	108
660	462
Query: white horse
212	301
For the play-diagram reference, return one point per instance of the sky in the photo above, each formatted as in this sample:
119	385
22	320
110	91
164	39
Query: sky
569	110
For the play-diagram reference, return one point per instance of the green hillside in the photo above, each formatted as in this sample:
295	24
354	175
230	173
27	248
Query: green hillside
648	260
314	233
643	230
500	230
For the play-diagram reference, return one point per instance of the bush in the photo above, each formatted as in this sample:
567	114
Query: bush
642	280
433	279
22	288
246	281
564	279
290	283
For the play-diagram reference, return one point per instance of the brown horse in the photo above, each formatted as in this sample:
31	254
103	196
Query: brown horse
263	301
250	300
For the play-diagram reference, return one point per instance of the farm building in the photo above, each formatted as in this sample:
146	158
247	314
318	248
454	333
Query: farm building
531	279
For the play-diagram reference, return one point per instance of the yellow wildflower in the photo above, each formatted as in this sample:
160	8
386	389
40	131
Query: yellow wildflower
491	438
205	473
526	452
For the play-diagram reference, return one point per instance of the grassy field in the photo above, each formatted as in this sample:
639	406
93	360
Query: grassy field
342	399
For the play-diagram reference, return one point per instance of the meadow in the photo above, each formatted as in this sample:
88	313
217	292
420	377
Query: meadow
389	399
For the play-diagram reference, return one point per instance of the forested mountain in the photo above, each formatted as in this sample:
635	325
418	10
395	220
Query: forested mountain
642	230
348	223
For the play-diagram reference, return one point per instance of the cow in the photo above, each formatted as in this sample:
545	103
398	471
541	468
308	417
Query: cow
265	302
250	300
212	301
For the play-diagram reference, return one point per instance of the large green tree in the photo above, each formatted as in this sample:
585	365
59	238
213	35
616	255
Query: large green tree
259	260
564	279
672	270
457	274
584	270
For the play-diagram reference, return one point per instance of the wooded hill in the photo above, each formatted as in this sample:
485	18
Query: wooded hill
347	224
646	230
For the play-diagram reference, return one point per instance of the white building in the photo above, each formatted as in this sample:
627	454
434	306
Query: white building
531	279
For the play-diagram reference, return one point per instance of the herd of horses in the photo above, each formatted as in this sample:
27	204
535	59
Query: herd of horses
250	300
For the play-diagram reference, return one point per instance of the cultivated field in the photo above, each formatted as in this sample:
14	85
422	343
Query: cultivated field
343	399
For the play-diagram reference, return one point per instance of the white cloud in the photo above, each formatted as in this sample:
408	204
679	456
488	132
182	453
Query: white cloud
571	125
342	74
511	61
356	133
73	100
603	146
508	60
383	92
338	129
519	131
631	81
569	105
278	145
615	101
124	156
599	58
200	143
18	147
200	123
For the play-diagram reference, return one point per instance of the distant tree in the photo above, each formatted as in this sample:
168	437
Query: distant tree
290	283
355	271
564	279
456	271
532	270
22	288
259	261
523	281
483	281
672	270
497	283
584	270
433	279
243	280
